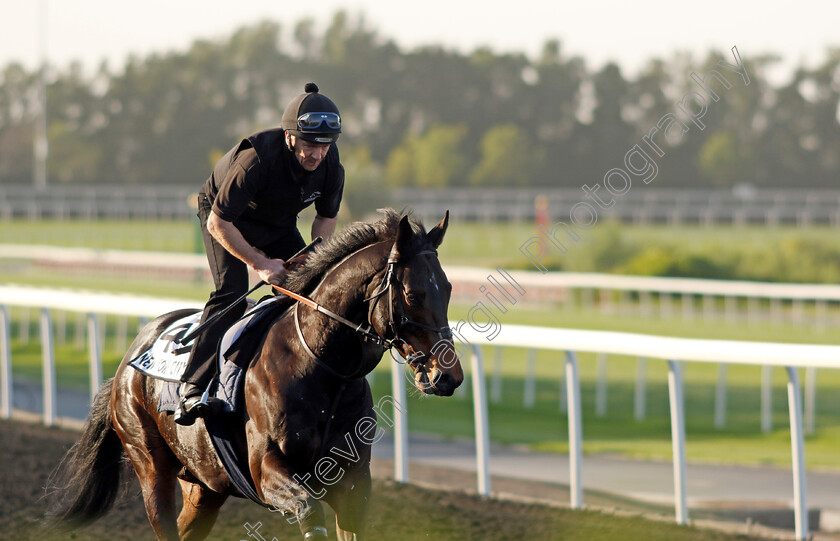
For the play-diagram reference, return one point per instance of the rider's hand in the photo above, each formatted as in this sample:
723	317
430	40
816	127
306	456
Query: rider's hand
273	271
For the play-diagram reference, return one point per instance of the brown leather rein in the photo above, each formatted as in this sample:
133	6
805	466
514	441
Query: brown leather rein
367	332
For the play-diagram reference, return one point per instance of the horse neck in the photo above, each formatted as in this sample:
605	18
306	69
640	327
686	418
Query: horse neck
343	291
345	286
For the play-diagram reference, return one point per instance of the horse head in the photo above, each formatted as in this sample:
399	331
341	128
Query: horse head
413	313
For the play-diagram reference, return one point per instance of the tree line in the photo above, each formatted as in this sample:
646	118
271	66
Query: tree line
428	116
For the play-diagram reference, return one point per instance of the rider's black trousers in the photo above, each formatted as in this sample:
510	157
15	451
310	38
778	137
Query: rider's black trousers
231	278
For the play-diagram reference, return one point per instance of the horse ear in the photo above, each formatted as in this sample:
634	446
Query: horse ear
404	236
435	236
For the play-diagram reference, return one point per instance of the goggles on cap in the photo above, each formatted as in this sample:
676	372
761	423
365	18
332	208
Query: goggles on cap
313	121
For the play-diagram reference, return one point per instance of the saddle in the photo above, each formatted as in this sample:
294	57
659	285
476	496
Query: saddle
166	358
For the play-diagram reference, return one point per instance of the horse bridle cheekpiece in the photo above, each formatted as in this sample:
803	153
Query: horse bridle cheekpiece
367	333
389	281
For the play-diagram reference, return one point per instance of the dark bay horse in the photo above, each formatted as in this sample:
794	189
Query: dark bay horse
305	394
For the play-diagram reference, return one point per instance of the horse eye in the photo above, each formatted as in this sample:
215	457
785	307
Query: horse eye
411	298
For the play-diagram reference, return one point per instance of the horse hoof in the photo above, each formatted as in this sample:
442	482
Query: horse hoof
318	532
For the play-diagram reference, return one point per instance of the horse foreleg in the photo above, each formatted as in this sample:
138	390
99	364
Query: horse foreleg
294	495
350	501
198	515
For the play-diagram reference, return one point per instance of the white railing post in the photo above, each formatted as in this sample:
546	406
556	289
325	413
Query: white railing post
775	310
48	355
675	391
797	445
665	308
810	400
821	315
601	386
24	327
530	397
720	397
731	304
94	347
766	399
575	431
400	423
5	363
480	415
708	307
644	303
797	310
640	405
496	391
625	303
752	310
687	306
563	405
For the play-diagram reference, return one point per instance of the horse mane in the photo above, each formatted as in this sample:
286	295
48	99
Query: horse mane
353	238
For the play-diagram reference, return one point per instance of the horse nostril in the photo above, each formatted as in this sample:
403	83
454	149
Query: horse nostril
445	382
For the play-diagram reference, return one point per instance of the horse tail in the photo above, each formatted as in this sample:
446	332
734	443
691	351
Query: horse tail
87	481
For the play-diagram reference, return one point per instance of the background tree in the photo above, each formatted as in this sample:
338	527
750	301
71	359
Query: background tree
158	119
509	157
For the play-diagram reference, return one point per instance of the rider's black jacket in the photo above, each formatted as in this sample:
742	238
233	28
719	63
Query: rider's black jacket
260	187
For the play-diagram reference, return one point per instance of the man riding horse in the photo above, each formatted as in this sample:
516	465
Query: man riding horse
248	212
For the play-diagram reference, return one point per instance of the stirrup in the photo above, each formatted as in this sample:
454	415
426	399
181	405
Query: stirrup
189	409
318	532
192	407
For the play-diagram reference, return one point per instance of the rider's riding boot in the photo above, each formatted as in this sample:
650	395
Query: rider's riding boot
194	404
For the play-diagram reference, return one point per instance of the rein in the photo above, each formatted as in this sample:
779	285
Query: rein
367	332
387	285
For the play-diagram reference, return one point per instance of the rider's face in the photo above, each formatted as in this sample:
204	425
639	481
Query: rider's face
309	155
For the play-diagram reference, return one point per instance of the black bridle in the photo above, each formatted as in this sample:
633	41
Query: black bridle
387	285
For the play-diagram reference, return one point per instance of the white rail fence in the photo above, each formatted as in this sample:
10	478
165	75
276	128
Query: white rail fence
687	298
675	351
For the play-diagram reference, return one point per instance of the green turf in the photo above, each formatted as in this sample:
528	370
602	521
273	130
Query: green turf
543	427
480	244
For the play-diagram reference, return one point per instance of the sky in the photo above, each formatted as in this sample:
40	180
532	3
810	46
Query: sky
629	33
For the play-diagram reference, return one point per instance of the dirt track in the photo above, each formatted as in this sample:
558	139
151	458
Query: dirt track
28	453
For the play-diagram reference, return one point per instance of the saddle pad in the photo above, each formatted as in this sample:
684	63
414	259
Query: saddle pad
166	358
231	375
